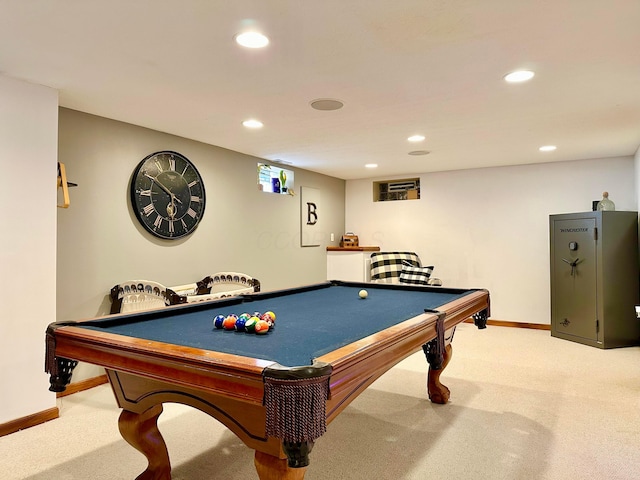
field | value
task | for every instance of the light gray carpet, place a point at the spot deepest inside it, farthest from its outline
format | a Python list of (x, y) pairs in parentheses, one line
[(524, 405)]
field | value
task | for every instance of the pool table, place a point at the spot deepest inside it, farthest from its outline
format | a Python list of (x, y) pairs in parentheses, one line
[(277, 391)]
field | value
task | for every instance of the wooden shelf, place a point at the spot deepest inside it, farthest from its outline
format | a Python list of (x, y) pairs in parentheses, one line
[(353, 249)]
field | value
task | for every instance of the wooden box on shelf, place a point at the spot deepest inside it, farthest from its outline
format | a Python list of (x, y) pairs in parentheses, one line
[(349, 240)]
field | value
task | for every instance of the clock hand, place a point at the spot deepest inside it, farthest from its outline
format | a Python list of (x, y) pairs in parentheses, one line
[(155, 179)]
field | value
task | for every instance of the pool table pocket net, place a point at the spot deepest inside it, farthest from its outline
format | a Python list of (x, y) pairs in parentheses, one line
[(295, 401), (289, 401)]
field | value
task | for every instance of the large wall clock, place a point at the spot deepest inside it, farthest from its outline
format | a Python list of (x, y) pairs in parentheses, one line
[(167, 195)]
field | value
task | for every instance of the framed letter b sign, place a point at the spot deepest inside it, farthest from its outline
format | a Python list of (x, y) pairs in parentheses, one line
[(310, 215)]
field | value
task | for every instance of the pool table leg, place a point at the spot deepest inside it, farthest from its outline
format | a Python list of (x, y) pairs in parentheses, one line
[(439, 393), (274, 468), (140, 430)]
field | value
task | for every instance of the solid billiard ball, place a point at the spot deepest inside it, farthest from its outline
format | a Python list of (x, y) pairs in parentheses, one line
[(250, 325), (262, 327), (218, 320), (363, 293), (240, 323), (230, 322)]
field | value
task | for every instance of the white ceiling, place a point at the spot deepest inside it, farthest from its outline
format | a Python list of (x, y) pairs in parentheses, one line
[(401, 67)]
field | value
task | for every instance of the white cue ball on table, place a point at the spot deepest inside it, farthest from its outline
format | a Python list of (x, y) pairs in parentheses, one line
[(363, 294)]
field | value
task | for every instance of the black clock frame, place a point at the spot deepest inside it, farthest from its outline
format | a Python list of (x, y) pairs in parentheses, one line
[(167, 195)]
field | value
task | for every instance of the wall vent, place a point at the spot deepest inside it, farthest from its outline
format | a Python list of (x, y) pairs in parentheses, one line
[(388, 190)]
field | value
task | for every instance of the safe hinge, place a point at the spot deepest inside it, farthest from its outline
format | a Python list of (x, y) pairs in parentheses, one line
[(595, 234), (597, 326)]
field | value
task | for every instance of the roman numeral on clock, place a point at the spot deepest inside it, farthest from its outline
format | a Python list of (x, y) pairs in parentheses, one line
[(148, 209)]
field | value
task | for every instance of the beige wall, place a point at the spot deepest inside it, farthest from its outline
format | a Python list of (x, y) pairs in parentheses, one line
[(28, 155), (636, 163), (100, 242), (489, 228)]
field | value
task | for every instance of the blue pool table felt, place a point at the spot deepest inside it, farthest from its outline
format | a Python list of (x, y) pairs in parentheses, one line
[(308, 324)]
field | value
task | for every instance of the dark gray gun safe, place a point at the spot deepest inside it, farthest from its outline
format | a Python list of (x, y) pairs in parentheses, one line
[(594, 278)]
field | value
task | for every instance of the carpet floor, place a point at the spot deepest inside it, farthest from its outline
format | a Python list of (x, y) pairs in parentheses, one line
[(524, 405)]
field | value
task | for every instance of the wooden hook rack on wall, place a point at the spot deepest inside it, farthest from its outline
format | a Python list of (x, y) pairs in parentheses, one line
[(64, 184)]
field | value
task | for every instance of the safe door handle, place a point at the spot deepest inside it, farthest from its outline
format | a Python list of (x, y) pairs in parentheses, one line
[(572, 264)]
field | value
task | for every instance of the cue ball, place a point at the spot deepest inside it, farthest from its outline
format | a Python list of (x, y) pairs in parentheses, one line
[(363, 293)]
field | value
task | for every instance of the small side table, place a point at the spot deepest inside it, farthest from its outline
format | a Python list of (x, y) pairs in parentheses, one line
[(352, 264)]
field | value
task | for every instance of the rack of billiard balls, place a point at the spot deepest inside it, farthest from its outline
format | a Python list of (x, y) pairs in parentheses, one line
[(257, 322)]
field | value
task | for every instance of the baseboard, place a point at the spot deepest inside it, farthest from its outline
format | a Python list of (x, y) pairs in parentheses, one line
[(28, 421), (83, 385), (502, 323), (52, 413)]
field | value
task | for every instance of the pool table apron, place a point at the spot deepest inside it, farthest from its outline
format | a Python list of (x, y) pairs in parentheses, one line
[(242, 416), (245, 417)]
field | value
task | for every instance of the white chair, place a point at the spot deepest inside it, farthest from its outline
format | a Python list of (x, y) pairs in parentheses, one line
[(219, 285), (139, 295), (401, 267)]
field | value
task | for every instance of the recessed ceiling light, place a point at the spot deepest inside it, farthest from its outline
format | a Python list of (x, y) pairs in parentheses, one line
[(326, 104), (252, 40), (419, 152), (547, 148), (416, 138), (519, 76), (252, 123), (371, 165)]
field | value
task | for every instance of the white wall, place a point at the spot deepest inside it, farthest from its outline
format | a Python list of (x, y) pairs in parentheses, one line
[(489, 228), (28, 161)]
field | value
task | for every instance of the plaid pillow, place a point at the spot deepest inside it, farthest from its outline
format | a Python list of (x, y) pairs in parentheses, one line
[(416, 275), (387, 266)]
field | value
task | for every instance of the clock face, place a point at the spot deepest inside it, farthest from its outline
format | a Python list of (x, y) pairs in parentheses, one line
[(167, 195)]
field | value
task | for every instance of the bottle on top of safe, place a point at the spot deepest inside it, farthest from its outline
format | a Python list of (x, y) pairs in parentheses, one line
[(605, 203)]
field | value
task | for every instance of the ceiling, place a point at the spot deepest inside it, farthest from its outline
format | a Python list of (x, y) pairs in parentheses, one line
[(403, 67)]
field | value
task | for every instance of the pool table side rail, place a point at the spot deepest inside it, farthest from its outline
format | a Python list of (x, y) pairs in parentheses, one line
[(217, 372), (357, 365)]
